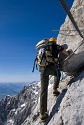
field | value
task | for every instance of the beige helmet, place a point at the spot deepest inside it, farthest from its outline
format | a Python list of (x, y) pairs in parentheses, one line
[(52, 39)]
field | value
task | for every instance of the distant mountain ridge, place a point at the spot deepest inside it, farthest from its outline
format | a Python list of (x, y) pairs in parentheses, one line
[(15, 109), (10, 88)]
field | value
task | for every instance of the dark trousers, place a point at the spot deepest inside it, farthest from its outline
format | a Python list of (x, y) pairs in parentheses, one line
[(45, 72)]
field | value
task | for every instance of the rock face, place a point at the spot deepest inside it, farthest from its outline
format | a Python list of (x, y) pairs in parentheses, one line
[(71, 110), (68, 35)]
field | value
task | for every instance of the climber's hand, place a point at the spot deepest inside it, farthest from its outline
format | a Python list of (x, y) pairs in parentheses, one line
[(70, 51)]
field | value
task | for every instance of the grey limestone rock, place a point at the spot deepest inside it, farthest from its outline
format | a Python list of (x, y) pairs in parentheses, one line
[(68, 35)]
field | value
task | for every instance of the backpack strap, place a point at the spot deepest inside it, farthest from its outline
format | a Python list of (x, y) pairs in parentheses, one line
[(42, 57), (35, 64)]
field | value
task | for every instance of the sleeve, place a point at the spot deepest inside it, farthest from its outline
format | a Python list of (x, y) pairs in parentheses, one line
[(60, 48)]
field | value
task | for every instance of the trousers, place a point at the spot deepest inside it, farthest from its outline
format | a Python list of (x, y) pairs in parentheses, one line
[(44, 76)]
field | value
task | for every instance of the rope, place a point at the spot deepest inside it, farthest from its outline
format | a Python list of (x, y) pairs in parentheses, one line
[(68, 35), (65, 30), (60, 32)]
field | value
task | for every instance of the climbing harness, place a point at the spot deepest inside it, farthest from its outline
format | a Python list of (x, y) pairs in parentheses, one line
[(70, 16)]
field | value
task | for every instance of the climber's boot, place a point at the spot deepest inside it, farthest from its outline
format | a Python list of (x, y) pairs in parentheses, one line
[(56, 93), (44, 117)]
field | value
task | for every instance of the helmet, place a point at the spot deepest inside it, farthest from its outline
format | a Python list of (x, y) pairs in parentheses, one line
[(52, 39)]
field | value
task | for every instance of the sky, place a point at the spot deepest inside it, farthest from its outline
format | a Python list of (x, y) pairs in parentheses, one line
[(23, 23)]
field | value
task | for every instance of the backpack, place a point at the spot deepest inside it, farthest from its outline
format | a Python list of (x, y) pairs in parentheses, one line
[(45, 55)]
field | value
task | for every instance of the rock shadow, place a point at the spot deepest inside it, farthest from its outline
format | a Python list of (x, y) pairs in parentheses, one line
[(56, 106)]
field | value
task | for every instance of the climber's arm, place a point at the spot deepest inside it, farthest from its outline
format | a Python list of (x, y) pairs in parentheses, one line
[(67, 52)]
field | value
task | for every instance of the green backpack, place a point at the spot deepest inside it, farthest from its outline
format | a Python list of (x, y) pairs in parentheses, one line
[(44, 56)]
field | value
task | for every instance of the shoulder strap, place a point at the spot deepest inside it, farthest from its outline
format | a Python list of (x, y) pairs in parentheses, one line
[(34, 65), (42, 57)]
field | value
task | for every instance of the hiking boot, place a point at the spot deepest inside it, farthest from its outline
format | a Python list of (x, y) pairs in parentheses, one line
[(35, 116), (44, 117), (56, 93)]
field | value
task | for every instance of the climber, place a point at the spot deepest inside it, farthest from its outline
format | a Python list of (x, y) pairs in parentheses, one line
[(51, 67)]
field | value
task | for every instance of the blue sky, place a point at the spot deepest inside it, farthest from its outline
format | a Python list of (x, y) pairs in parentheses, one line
[(22, 24)]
